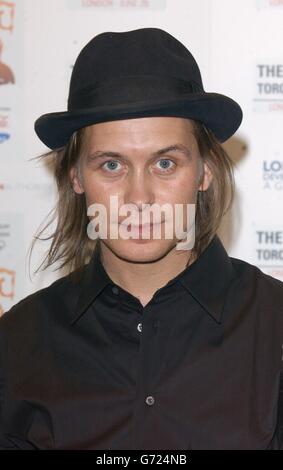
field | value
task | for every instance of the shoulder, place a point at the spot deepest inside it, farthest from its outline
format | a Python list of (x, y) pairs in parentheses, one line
[(252, 277), (39, 307), (260, 295)]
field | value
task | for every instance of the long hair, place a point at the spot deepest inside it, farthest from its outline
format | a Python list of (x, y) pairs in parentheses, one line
[(213, 203), (70, 243)]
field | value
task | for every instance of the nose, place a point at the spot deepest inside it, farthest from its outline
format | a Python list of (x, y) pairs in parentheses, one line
[(139, 190)]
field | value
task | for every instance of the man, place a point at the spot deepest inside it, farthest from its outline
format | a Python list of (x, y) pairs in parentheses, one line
[(155, 342)]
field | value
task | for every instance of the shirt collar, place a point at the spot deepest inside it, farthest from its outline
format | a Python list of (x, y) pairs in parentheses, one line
[(206, 279), (94, 279)]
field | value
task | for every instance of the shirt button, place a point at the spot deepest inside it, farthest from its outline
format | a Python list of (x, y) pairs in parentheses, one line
[(115, 290), (150, 400), (139, 327)]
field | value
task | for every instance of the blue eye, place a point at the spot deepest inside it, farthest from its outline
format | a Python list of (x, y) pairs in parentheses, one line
[(111, 164), (165, 167)]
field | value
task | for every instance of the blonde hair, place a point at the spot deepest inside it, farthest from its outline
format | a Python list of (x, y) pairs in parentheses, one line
[(70, 242)]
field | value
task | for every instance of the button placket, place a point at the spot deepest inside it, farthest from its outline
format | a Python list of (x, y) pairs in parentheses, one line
[(155, 325)]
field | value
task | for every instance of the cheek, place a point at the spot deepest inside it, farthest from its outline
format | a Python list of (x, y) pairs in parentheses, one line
[(96, 190), (181, 190)]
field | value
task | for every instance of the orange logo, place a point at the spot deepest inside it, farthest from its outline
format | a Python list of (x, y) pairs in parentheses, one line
[(6, 74), (7, 285), (7, 12)]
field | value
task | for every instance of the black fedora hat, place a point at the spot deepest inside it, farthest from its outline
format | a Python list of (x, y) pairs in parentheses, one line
[(140, 73)]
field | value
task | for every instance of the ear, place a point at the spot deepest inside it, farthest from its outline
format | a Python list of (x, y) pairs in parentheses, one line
[(75, 179), (206, 178)]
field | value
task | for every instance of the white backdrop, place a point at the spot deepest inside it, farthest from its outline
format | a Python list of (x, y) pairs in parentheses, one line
[(239, 48)]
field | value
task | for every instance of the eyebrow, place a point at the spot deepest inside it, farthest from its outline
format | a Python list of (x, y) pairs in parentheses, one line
[(108, 153)]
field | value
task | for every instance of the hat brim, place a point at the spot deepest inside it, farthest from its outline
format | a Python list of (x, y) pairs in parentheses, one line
[(221, 114)]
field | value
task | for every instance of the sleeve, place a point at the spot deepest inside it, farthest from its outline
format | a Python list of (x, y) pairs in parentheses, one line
[(280, 414), (5, 444)]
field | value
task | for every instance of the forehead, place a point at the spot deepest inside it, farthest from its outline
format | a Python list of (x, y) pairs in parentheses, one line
[(142, 138), (139, 130)]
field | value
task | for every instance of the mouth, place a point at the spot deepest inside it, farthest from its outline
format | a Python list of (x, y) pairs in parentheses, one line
[(140, 229), (141, 226)]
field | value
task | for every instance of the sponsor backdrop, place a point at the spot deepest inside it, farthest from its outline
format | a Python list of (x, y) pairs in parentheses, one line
[(238, 46)]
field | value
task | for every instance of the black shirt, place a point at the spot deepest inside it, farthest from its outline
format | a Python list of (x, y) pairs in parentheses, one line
[(85, 366)]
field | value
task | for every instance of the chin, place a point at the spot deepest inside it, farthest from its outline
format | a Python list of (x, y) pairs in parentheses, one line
[(140, 251)]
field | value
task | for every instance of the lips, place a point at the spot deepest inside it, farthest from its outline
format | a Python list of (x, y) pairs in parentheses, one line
[(141, 226)]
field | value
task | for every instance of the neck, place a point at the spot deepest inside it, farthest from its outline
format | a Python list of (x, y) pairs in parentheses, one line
[(143, 279)]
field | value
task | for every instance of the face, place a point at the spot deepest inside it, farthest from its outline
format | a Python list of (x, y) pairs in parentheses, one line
[(153, 160)]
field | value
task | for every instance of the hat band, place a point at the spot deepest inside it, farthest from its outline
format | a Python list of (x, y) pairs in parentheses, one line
[(130, 89)]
